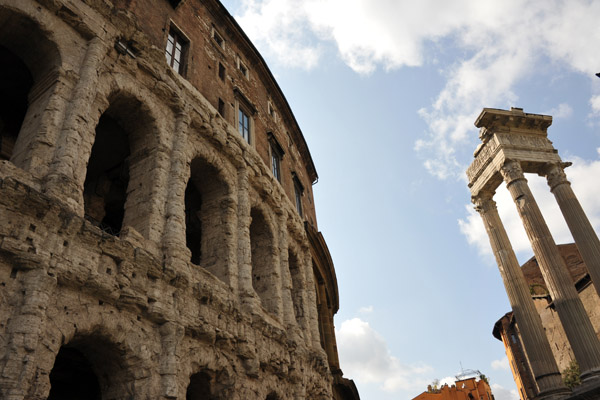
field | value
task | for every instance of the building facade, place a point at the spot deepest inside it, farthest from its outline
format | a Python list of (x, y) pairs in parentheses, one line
[(158, 235), (463, 389), (506, 328)]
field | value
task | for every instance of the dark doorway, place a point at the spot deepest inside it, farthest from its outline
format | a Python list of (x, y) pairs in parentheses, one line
[(199, 387), (72, 377), (15, 84)]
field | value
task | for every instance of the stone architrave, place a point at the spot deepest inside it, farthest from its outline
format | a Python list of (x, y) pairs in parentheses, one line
[(543, 365), (583, 233)]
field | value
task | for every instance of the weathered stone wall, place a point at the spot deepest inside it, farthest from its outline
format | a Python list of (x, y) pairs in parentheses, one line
[(156, 309)]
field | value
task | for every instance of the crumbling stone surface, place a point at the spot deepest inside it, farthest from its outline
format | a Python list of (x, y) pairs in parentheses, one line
[(146, 247)]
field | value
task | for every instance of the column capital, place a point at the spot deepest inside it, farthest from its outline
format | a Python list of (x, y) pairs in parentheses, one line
[(512, 171), (484, 202), (555, 174)]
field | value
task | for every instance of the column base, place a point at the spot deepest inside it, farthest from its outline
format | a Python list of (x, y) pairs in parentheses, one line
[(588, 390), (555, 394)]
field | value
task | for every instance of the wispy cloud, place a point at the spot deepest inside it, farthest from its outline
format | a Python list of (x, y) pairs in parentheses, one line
[(366, 357), (497, 45), (366, 310), (501, 364), (501, 393)]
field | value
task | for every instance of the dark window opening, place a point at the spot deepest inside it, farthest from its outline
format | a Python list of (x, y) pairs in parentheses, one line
[(105, 187), (218, 38), (276, 156), (221, 108), (298, 192), (175, 51), (199, 387), (15, 84), (174, 3), (193, 222), (221, 72), (72, 377)]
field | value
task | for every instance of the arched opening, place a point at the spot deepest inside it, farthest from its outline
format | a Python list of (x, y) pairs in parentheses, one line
[(262, 252), (117, 180), (89, 367), (15, 83), (272, 396), (296, 275), (205, 217), (72, 377), (199, 387), (105, 187), (27, 58)]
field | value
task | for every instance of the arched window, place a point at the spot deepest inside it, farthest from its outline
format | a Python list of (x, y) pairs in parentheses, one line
[(15, 84), (205, 214), (72, 377), (117, 184), (199, 387), (264, 278)]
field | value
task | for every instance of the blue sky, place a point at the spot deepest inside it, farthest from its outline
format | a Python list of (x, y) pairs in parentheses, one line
[(386, 93)]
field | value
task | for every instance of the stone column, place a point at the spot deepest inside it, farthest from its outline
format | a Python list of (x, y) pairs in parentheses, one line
[(543, 364), (61, 176), (579, 225), (573, 317)]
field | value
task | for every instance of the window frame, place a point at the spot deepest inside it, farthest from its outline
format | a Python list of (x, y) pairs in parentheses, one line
[(277, 154), (244, 129), (245, 107), (218, 38), (243, 68), (178, 38)]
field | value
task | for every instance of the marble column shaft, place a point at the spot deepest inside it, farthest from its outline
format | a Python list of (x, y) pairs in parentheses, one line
[(569, 307), (536, 344), (579, 225)]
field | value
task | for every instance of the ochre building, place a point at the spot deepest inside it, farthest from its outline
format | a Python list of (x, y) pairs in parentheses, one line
[(507, 328), (465, 389), (158, 236)]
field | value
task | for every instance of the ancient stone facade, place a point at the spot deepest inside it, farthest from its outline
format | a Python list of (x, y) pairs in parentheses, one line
[(507, 328), (515, 143), (158, 237)]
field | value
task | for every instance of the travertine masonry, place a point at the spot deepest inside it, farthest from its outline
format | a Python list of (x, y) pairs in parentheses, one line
[(147, 250)]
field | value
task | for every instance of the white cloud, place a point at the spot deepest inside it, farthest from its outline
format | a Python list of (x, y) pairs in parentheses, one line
[(367, 359), (583, 177), (501, 364), (501, 393), (498, 44), (366, 310), (595, 104), (562, 111)]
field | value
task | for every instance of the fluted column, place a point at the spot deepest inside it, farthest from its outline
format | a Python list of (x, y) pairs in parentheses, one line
[(543, 364), (573, 317), (579, 225)]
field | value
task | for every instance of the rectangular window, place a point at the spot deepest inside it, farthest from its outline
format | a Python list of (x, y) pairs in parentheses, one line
[(244, 124), (218, 38), (221, 72), (175, 51), (243, 69), (298, 191), (276, 156), (221, 108)]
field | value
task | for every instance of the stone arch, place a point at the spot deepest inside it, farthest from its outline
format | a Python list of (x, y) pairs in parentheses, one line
[(92, 367), (119, 176), (206, 202), (265, 276), (200, 387), (29, 64), (273, 396)]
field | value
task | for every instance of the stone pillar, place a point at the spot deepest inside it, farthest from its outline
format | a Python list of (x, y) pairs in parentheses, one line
[(61, 176), (579, 225), (571, 312), (543, 365)]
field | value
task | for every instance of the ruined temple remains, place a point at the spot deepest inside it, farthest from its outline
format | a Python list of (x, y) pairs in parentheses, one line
[(158, 235), (515, 143)]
